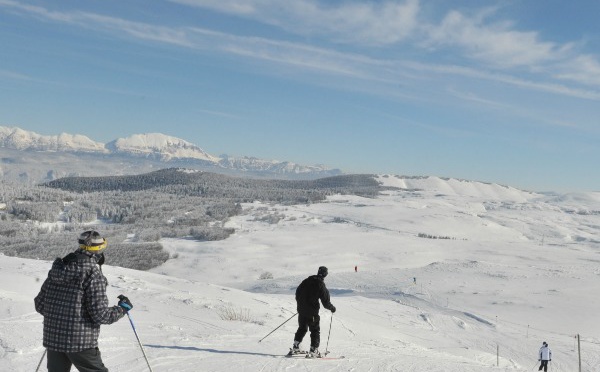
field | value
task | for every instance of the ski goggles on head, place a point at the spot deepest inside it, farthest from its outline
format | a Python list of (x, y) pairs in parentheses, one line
[(94, 247)]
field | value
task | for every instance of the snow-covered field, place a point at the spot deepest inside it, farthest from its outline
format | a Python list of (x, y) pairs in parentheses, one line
[(508, 270)]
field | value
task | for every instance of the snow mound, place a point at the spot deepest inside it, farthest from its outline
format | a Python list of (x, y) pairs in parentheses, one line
[(456, 187)]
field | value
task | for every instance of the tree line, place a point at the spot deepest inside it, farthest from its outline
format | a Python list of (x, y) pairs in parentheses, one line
[(135, 212)]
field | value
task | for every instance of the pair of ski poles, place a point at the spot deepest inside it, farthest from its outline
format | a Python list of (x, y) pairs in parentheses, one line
[(290, 318), (136, 336)]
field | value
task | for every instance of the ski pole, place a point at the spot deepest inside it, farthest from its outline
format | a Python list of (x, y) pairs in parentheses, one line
[(327, 346), (41, 360), (138, 338), (278, 327)]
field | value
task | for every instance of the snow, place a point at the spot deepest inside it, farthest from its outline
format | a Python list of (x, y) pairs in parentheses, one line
[(519, 268), (149, 146), (157, 143), (22, 140)]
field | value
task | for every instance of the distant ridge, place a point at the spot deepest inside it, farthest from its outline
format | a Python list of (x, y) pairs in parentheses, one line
[(122, 156), (19, 139), (208, 184)]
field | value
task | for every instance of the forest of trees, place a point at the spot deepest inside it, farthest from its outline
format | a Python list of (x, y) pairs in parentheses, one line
[(135, 212)]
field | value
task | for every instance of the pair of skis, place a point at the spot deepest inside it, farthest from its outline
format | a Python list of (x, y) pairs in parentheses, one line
[(307, 355)]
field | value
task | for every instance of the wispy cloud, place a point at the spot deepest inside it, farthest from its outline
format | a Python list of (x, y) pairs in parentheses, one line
[(494, 45), (583, 69), (4, 74), (104, 23), (498, 44), (218, 113), (473, 73), (368, 23)]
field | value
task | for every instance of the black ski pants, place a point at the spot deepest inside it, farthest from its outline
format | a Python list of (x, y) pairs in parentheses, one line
[(85, 361), (544, 365), (311, 323)]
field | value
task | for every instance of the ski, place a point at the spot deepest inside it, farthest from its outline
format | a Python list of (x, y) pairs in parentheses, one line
[(324, 356), (306, 355), (293, 353)]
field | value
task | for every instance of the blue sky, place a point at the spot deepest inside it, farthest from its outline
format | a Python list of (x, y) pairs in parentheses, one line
[(495, 91)]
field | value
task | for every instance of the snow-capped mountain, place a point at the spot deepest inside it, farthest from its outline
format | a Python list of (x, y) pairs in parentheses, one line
[(19, 139), (31, 157), (274, 166), (159, 145)]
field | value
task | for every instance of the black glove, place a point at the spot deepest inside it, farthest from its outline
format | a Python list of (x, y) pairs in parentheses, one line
[(125, 303), (101, 259), (332, 308)]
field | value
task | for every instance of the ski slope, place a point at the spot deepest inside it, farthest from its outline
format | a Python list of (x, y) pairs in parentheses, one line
[(518, 268)]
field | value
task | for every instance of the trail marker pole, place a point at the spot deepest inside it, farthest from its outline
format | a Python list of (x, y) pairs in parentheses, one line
[(497, 355), (579, 350)]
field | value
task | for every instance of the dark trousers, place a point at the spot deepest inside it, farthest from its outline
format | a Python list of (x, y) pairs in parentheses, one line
[(544, 365), (311, 323), (85, 361)]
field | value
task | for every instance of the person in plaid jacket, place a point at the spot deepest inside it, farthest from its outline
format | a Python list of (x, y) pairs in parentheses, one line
[(74, 304)]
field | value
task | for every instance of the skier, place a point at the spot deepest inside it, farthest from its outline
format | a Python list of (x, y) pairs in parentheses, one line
[(308, 294), (545, 356), (74, 304)]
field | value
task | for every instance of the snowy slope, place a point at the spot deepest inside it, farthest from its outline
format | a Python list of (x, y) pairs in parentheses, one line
[(519, 269)]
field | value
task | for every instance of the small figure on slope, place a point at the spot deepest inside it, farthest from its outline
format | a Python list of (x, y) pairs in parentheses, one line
[(545, 356)]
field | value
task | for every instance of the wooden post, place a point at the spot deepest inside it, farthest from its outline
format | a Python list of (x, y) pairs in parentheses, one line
[(579, 351), (497, 355)]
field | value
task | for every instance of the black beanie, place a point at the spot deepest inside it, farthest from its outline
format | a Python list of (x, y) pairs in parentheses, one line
[(322, 271)]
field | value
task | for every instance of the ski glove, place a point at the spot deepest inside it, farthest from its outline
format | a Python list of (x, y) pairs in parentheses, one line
[(332, 309), (125, 303)]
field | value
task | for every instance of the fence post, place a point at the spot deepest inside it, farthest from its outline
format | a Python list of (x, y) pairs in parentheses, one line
[(497, 355), (579, 350)]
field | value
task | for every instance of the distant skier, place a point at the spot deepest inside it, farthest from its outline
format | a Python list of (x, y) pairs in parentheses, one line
[(308, 294), (545, 356), (355, 269), (74, 304)]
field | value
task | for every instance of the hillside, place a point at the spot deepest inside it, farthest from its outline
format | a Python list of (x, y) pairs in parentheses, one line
[(193, 182), (444, 281)]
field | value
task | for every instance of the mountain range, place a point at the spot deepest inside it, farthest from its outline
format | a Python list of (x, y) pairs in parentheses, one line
[(30, 157)]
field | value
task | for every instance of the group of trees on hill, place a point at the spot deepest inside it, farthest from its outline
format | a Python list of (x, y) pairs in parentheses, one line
[(135, 212)]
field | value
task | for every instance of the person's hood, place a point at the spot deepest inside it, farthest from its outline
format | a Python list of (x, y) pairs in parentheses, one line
[(318, 277), (70, 268)]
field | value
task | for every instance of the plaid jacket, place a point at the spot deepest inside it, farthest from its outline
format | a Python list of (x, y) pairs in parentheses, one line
[(73, 302)]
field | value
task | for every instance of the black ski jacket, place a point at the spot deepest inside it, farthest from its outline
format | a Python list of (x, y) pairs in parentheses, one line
[(308, 294)]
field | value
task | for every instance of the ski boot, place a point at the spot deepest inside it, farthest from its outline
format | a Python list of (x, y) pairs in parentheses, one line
[(313, 353)]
